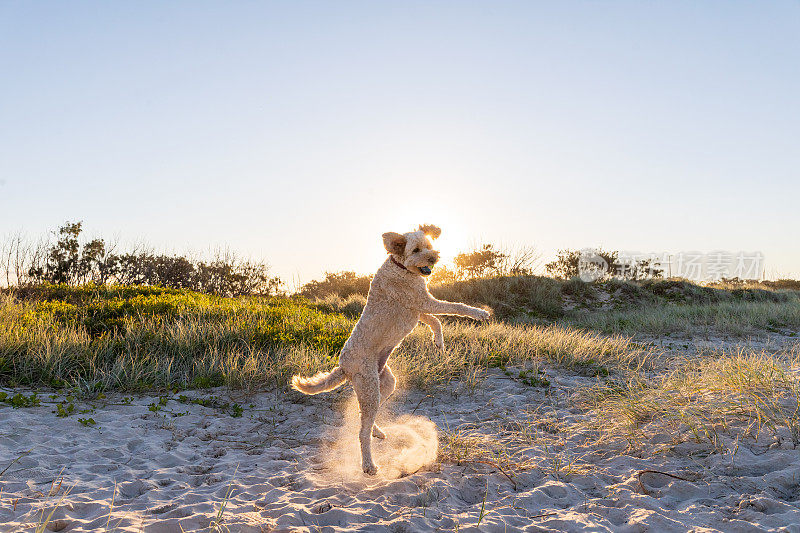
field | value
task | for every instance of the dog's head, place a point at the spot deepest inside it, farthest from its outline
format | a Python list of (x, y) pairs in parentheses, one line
[(414, 250)]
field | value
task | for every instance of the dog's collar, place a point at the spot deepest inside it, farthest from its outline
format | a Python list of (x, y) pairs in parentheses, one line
[(398, 263)]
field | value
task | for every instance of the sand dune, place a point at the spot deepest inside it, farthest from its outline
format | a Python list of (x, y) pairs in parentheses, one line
[(290, 463)]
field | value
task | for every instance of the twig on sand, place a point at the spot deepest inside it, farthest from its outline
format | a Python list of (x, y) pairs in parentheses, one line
[(543, 515), (23, 454), (420, 402), (495, 465), (642, 472)]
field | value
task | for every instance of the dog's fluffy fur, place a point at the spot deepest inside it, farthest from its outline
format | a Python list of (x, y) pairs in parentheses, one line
[(398, 299)]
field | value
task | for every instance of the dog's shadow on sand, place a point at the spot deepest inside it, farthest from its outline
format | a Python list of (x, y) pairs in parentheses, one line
[(411, 444)]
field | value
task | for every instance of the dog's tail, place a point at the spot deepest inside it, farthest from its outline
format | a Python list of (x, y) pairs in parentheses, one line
[(322, 382)]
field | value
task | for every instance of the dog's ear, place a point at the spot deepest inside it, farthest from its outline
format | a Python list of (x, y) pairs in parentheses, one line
[(430, 230), (394, 243)]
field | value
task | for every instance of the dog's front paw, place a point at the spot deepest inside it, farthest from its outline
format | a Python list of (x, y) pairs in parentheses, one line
[(439, 342), (370, 469), (378, 432)]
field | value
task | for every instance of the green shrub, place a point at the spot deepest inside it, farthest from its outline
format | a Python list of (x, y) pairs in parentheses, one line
[(341, 284)]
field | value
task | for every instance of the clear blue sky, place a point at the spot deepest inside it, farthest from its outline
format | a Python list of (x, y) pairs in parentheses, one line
[(298, 132)]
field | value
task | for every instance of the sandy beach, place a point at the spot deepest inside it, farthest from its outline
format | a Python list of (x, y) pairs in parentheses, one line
[(183, 462)]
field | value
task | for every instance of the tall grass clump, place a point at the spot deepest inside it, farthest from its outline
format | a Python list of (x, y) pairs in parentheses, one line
[(497, 345), (350, 306), (703, 399)]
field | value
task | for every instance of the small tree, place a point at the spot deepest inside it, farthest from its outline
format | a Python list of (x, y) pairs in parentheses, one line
[(97, 263), (479, 263), (442, 274), (488, 260), (521, 261), (63, 258)]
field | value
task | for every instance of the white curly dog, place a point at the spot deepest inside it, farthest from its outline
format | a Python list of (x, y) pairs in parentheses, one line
[(398, 299)]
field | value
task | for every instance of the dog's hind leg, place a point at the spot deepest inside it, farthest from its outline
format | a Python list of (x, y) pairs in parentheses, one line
[(388, 382), (367, 387)]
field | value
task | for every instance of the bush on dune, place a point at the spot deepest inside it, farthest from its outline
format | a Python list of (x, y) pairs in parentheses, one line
[(72, 261), (341, 284)]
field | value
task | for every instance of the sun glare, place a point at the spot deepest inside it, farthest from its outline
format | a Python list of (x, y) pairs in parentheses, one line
[(454, 238)]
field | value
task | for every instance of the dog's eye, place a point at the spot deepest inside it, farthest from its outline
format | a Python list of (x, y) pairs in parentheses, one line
[(416, 250)]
